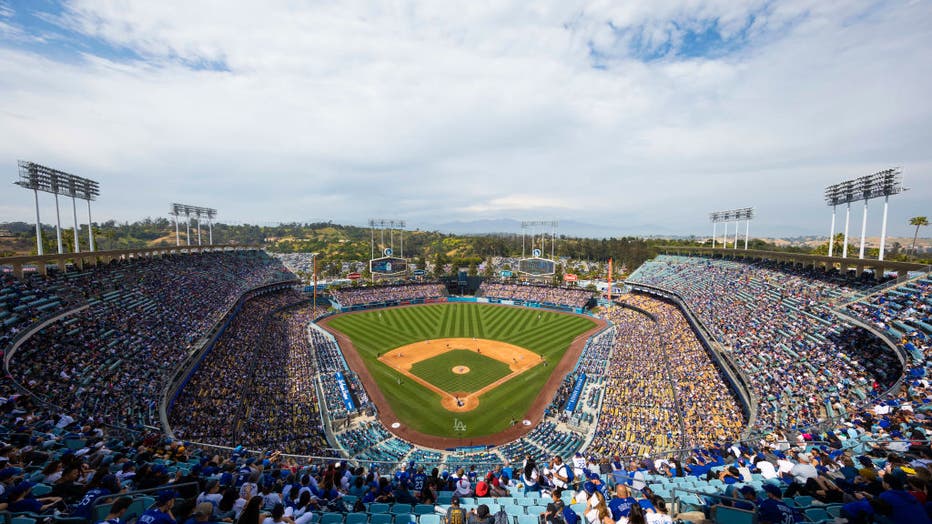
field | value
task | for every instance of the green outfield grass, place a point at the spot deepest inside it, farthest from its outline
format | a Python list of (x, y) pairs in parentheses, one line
[(543, 332), (439, 371)]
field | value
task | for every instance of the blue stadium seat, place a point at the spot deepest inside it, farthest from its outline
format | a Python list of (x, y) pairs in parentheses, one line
[(379, 518), (357, 518), (423, 509), (514, 509), (331, 518), (379, 507), (399, 509), (431, 518), (528, 519), (729, 515), (817, 514)]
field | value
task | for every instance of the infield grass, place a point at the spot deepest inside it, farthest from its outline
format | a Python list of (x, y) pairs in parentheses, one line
[(439, 371), (379, 331)]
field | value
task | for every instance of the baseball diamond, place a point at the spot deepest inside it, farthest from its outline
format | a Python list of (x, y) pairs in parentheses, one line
[(407, 355)]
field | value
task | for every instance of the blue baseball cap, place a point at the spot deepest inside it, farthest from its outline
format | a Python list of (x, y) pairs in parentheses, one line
[(773, 490)]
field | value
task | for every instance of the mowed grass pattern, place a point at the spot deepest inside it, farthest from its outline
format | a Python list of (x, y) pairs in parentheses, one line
[(439, 371), (379, 331)]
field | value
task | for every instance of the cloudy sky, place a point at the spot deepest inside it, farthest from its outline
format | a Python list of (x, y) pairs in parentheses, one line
[(641, 116)]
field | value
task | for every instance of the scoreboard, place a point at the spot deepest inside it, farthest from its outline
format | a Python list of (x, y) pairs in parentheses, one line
[(388, 265), (537, 266)]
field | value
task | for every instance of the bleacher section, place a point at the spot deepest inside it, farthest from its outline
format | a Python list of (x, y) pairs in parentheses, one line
[(805, 364)]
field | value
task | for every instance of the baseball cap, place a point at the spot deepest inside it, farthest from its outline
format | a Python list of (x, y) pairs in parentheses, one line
[(22, 487), (6, 473), (455, 500), (773, 490), (164, 496)]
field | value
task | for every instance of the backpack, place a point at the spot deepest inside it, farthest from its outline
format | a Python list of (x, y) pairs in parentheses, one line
[(570, 476), (457, 516), (500, 518), (570, 516)]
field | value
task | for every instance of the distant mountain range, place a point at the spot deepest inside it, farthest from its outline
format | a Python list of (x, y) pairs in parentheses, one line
[(570, 228)]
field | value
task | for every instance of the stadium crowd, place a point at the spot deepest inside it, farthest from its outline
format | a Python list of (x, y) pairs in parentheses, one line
[(903, 312), (261, 373), (664, 393), (804, 362), (106, 364), (564, 296), (330, 362), (355, 296), (142, 319)]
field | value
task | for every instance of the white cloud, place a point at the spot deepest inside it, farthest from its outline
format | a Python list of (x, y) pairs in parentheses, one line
[(345, 110)]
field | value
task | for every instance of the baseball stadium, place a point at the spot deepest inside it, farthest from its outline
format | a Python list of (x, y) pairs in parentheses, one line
[(677, 386), (562, 316)]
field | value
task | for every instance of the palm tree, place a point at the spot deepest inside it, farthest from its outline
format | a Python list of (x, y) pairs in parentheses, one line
[(918, 222)]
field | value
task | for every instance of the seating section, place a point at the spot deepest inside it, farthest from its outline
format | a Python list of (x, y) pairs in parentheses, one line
[(561, 296), (804, 362), (904, 312), (261, 370), (99, 372), (112, 359), (357, 296)]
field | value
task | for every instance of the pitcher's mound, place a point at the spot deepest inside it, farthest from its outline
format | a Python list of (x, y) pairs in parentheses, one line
[(461, 370)]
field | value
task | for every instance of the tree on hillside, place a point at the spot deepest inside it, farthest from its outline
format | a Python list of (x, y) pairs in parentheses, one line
[(488, 271), (918, 222)]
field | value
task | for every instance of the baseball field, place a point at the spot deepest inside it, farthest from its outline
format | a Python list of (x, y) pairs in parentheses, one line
[(460, 370)]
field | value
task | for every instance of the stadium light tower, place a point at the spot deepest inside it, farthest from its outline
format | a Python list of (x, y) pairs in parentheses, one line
[(40, 178), (714, 218), (198, 212), (736, 216), (834, 195), (886, 183), (850, 191), (864, 188), (31, 178)]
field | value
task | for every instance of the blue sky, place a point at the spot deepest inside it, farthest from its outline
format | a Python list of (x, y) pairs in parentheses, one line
[(640, 116)]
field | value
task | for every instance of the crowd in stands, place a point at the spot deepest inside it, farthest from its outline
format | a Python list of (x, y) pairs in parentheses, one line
[(804, 362), (143, 317), (903, 312), (875, 464), (564, 296), (330, 361), (355, 296), (260, 374), (663, 384), (107, 365)]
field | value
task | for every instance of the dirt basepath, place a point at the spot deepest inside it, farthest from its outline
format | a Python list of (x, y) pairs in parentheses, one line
[(534, 413)]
